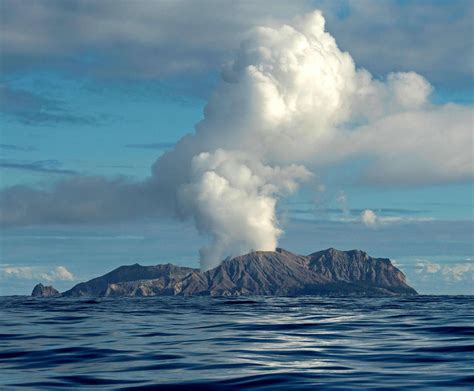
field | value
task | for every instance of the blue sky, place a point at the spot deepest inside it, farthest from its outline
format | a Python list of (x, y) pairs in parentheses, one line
[(81, 99)]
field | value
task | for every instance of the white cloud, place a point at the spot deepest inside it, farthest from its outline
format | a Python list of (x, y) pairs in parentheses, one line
[(409, 89), (459, 271), (414, 147), (59, 273), (369, 218), (427, 267), (449, 272)]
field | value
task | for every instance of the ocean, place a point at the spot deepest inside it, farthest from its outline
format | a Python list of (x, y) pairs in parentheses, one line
[(257, 343)]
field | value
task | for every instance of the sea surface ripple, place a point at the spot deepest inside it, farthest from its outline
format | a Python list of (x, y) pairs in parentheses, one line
[(270, 343)]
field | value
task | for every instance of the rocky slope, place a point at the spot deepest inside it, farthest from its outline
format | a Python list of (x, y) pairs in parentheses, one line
[(258, 273), (121, 281), (44, 291)]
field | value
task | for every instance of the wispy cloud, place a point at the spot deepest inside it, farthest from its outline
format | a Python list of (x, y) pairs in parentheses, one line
[(162, 37), (399, 22), (309, 207), (124, 166), (370, 218), (373, 218), (427, 267), (159, 38), (13, 147), (76, 237), (79, 200), (43, 166), (160, 146), (59, 273), (33, 109)]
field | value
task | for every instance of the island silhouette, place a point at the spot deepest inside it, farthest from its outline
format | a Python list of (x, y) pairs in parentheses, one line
[(261, 273)]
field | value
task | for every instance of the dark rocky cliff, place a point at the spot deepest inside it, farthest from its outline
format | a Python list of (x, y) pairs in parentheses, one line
[(44, 291), (258, 273), (122, 280)]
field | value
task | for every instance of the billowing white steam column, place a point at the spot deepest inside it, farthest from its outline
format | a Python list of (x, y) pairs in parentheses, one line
[(289, 92), (291, 103)]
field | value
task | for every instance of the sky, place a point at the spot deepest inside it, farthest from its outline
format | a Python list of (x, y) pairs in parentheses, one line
[(346, 128)]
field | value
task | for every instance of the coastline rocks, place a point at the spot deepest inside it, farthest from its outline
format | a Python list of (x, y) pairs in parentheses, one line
[(44, 291)]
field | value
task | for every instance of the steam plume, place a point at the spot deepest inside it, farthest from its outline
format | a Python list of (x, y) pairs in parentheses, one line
[(289, 104), (287, 91)]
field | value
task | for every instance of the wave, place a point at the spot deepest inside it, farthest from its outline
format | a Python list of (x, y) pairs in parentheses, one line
[(257, 343)]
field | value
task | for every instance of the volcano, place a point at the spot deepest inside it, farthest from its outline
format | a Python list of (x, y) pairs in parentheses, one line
[(261, 273)]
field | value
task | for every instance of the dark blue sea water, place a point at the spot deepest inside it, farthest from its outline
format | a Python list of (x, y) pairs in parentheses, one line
[(175, 343)]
